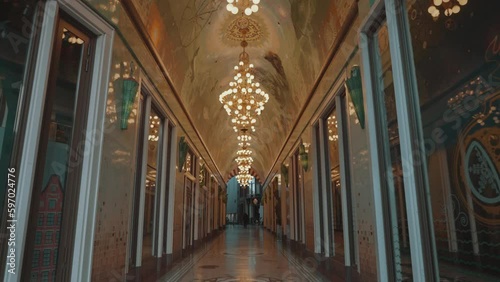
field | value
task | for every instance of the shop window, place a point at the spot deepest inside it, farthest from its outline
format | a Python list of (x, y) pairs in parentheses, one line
[(457, 62)]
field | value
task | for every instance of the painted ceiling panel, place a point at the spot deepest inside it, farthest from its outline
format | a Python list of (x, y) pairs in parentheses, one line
[(199, 43)]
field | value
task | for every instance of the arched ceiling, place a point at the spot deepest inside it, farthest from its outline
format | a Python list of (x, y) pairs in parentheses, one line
[(288, 43)]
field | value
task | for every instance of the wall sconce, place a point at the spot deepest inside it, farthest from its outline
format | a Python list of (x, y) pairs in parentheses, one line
[(183, 149), (303, 156), (356, 91), (284, 173), (130, 86)]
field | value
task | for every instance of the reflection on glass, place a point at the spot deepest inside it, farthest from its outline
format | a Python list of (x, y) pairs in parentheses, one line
[(457, 62), (393, 177), (155, 123), (13, 61), (333, 149), (54, 184)]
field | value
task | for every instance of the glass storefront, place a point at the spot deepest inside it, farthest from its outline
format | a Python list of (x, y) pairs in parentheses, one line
[(16, 33), (456, 49), (332, 143), (393, 176), (152, 183)]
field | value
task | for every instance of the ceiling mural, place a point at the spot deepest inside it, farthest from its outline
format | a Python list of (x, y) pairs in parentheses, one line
[(199, 43)]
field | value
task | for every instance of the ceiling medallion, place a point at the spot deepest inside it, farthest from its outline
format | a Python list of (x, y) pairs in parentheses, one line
[(252, 30)]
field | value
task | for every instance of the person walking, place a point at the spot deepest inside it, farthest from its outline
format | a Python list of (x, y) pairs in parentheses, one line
[(245, 220)]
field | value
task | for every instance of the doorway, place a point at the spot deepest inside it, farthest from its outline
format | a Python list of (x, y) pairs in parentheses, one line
[(56, 186)]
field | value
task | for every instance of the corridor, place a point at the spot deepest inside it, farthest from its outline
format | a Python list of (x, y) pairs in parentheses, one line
[(358, 139), (246, 254)]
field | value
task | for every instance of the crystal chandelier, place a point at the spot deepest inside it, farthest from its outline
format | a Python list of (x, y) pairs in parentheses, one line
[(449, 7), (248, 6), (244, 179), (244, 100), (244, 158), (244, 138), (332, 128), (154, 128)]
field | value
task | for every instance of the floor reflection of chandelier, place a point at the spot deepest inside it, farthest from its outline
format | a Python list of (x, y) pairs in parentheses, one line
[(247, 6)]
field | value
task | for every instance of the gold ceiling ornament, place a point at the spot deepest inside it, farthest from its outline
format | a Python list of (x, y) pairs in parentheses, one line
[(251, 27), (449, 7), (244, 100), (245, 6)]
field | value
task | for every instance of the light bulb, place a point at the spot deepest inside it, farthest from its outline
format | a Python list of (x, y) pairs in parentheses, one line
[(248, 11), (255, 8)]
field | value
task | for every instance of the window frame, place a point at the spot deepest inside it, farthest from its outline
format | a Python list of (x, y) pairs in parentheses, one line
[(422, 244)]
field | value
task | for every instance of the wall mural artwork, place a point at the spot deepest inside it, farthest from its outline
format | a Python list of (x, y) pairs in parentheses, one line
[(195, 17), (479, 162), (476, 196), (231, 36), (481, 173)]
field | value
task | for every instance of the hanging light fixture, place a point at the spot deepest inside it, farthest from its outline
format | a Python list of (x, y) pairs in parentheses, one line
[(332, 128), (244, 100), (449, 7), (244, 158), (154, 128), (247, 6), (244, 179)]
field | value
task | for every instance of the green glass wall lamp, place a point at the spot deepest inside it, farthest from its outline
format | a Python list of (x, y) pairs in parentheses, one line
[(130, 86), (183, 150), (304, 156), (355, 88)]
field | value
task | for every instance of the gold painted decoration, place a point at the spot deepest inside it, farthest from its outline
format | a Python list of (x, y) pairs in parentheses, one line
[(239, 29), (477, 163)]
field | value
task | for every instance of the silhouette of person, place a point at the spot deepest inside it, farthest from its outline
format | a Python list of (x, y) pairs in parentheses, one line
[(245, 220)]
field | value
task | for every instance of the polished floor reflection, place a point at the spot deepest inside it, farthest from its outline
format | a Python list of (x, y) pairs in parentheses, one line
[(239, 254)]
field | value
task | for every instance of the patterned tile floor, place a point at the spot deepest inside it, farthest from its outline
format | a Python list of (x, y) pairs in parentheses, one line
[(240, 254)]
